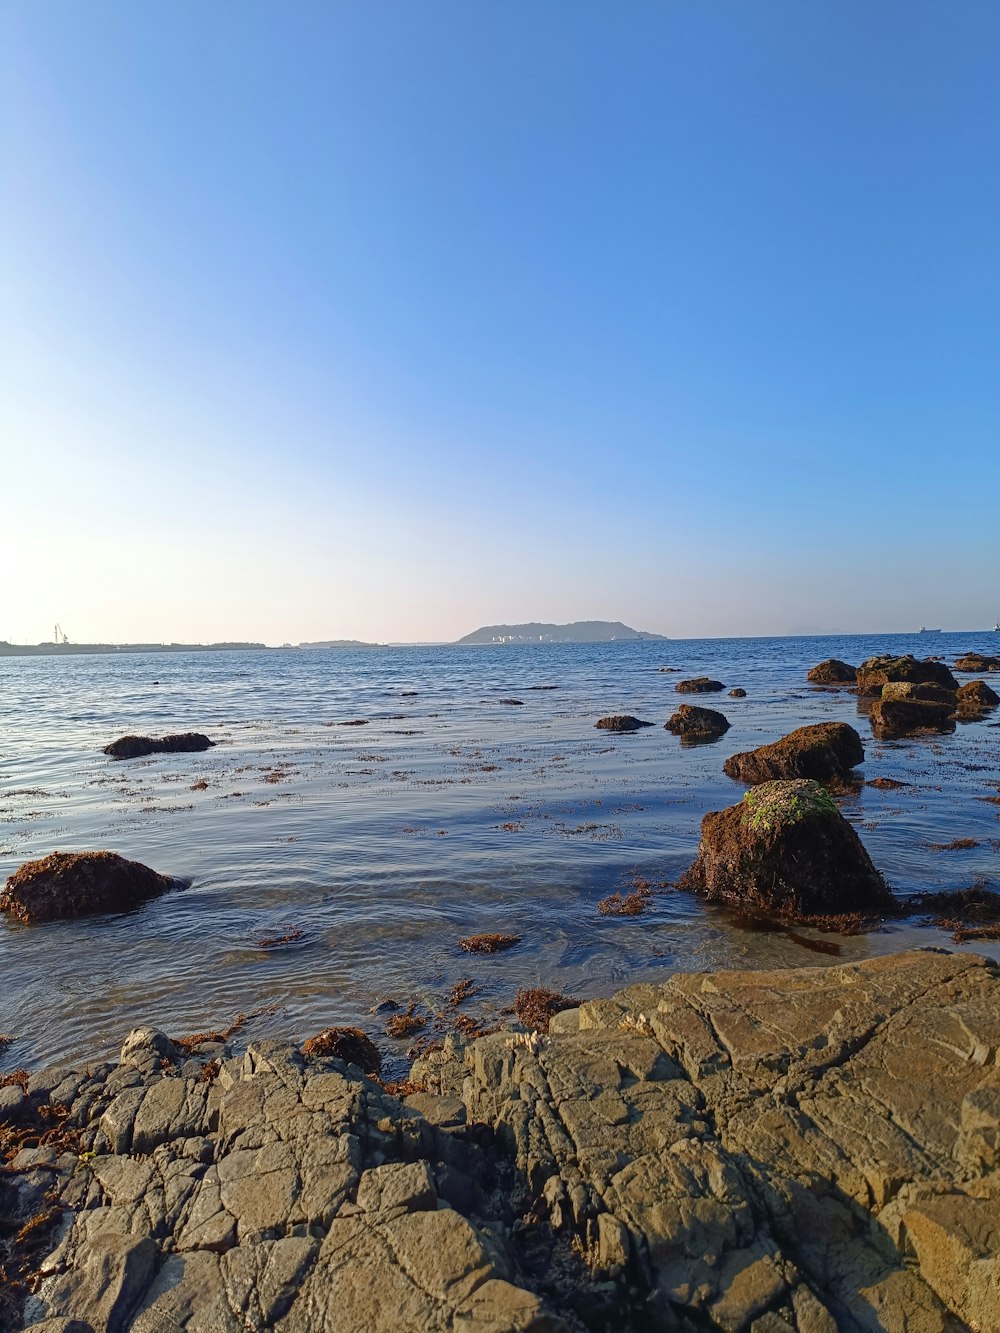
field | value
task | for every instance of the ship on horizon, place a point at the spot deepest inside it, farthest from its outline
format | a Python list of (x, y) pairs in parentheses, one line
[(924, 630)]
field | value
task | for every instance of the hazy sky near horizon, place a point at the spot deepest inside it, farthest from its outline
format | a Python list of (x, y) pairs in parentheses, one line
[(384, 321)]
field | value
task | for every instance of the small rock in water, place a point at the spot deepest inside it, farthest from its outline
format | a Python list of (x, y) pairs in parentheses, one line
[(134, 747), (832, 672), (977, 662), (976, 696), (738, 693), (621, 722), (692, 723), (892, 718), (875, 672), (71, 884), (699, 685)]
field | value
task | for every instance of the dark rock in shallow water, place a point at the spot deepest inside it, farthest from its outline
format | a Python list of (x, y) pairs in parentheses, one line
[(875, 672), (71, 884), (786, 850), (976, 697), (909, 717), (621, 722), (833, 672), (926, 692), (738, 693), (977, 662), (134, 747), (826, 752), (351, 1045), (699, 685), (692, 723)]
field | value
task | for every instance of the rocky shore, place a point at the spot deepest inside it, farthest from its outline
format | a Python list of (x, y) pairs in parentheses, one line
[(812, 1149)]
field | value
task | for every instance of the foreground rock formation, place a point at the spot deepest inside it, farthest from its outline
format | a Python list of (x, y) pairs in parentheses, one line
[(826, 752), (813, 1149), (71, 884), (134, 747), (878, 671), (786, 850)]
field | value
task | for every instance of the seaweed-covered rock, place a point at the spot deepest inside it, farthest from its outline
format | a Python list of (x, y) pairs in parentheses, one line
[(976, 696), (876, 671), (786, 850), (71, 884), (826, 752), (833, 671), (621, 722), (134, 747), (909, 717), (926, 691), (692, 723), (977, 662), (351, 1045), (699, 685)]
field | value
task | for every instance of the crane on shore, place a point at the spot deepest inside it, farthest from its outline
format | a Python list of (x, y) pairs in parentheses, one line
[(60, 635)]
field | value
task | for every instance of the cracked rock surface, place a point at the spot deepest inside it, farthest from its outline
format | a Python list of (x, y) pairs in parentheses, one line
[(812, 1149)]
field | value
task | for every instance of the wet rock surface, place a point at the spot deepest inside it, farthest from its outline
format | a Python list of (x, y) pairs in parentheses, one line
[(786, 850), (832, 671), (976, 661), (976, 696), (72, 884), (621, 722), (694, 724), (812, 1149), (134, 747), (826, 752), (910, 717), (878, 671), (699, 685)]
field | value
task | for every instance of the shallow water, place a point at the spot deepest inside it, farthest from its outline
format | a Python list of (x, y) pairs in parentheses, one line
[(448, 813)]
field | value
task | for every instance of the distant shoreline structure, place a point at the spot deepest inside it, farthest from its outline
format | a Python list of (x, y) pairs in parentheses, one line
[(110, 649)]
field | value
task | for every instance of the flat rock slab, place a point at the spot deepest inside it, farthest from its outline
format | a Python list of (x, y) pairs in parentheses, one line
[(814, 1149)]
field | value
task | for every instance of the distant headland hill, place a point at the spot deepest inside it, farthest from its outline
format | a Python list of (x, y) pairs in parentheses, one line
[(341, 643), (580, 631), (69, 649)]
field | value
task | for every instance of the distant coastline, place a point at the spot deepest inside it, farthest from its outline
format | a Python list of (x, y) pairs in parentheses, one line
[(89, 649), (579, 631)]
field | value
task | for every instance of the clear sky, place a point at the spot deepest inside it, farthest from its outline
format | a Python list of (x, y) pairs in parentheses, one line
[(342, 318)]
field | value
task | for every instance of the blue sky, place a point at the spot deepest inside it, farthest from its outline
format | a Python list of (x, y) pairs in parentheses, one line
[(387, 320)]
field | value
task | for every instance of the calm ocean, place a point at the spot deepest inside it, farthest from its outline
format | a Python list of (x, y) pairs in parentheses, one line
[(447, 813)]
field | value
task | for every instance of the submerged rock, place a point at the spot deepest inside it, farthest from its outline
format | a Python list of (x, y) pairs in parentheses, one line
[(976, 697), (692, 723), (892, 718), (827, 752), (699, 685), (877, 671), (977, 662), (134, 747), (71, 884), (621, 722), (832, 671), (738, 693), (786, 850)]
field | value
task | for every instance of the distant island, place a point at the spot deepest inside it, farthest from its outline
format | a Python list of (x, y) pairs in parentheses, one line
[(580, 631), (341, 643), (64, 649)]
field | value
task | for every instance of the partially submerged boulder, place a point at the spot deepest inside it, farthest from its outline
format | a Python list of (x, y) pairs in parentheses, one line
[(71, 884), (975, 661), (927, 691), (699, 685), (833, 671), (738, 693), (891, 718), (351, 1045), (134, 747), (786, 850), (621, 722), (826, 752), (876, 671), (976, 697), (693, 724)]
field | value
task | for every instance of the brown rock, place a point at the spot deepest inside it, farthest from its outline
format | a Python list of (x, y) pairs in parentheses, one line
[(977, 662), (351, 1045), (827, 752), (909, 717), (70, 884), (621, 722), (133, 747), (977, 696), (833, 672), (926, 692), (738, 693), (699, 685), (694, 724), (877, 671), (786, 849)]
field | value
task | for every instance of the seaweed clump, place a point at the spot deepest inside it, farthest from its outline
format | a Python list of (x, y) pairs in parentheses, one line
[(351, 1045), (493, 942), (970, 914), (72, 884), (535, 1007), (135, 747), (621, 722)]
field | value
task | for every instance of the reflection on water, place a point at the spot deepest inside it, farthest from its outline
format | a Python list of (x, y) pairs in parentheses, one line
[(333, 866)]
